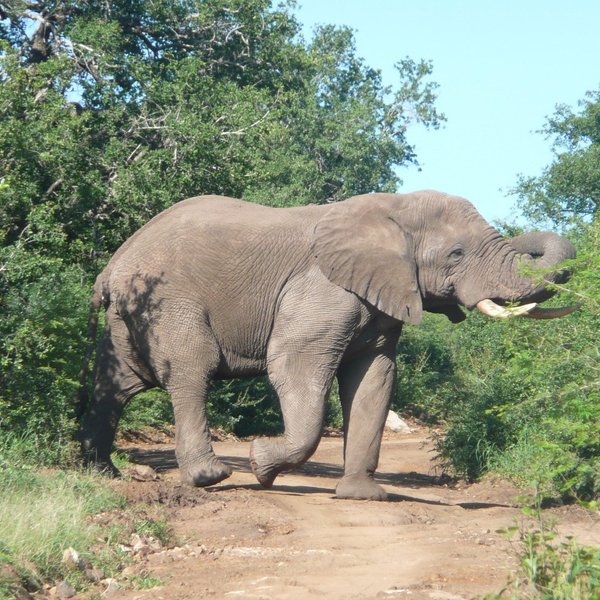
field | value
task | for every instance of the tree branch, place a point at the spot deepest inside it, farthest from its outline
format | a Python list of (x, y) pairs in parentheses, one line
[(243, 130)]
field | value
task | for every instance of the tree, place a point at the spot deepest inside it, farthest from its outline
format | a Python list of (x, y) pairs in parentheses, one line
[(569, 188), (112, 111)]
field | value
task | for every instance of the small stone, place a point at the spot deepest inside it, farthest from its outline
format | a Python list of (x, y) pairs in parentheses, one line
[(71, 559), (155, 544), (396, 424), (64, 590), (178, 553), (142, 473), (112, 587), (140, 545), (94, 574)]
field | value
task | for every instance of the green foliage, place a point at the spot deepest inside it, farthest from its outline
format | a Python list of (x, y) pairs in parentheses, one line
[(111, 112), (36, 448), (44, 306), (550, 569), (426, 369), (144, 582), (149, 409), (245, 407)]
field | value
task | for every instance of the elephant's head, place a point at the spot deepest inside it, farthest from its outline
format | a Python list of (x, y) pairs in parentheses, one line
[(405, 253)]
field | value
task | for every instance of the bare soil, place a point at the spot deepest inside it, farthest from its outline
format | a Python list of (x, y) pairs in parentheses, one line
[(434, 538)]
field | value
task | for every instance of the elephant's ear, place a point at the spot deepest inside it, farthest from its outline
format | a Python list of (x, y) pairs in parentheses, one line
[(360, 248)]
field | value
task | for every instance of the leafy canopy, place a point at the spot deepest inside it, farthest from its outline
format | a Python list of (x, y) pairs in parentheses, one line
[(568, 190)]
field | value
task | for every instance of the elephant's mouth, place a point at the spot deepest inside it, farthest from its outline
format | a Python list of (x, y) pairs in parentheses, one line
[(533, 311)]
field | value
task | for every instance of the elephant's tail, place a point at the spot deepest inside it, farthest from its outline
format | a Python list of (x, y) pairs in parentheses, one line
[(99, 297)]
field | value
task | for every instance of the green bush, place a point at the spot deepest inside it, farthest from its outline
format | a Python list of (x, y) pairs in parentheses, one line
[(426, 369), (245, 407), (148, 409)]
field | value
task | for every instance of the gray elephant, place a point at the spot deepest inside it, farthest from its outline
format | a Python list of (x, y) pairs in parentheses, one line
[(216, 288)]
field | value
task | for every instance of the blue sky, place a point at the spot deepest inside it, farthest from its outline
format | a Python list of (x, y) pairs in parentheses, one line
[(502, 67)]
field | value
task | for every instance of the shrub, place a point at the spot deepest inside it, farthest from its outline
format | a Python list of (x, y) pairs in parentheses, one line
[(44, 307)]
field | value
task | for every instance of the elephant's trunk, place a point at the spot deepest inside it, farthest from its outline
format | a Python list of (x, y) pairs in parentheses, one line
[(544, 249), (540, 251)]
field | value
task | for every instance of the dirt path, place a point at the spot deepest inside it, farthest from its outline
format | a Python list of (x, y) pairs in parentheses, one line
[(431, 540)]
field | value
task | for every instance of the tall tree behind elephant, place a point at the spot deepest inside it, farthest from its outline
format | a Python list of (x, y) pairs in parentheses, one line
[(215, 288), (171, 99)]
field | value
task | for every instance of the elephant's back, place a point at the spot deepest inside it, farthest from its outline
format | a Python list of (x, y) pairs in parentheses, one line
[(228, 258), (215, 219)]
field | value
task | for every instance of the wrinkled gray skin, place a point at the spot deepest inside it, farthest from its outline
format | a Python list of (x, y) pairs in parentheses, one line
[(217, 288)]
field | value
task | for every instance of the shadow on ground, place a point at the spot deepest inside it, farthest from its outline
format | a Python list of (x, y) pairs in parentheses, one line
[(164, 459)]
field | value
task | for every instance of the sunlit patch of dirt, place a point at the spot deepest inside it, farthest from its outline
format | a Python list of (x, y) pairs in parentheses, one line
[(436, 537)]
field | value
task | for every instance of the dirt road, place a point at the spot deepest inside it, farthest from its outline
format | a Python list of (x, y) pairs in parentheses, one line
[(433, 538)]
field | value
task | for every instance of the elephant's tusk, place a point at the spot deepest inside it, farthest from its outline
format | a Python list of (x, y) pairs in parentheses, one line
[(491, 309), (552, 313)]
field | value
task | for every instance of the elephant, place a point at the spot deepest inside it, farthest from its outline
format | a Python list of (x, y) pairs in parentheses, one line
[(216, 288)]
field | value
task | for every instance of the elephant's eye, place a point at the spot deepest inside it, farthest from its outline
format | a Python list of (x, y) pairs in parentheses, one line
[(456, 255)]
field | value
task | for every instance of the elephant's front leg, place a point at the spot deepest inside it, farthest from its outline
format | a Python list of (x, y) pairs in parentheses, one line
[(302, 387), (304, 352), (366, 387)]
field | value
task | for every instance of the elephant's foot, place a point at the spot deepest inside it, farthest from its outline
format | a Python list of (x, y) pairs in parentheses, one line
[(359, 488), (262, 463), (204, 473), (103, 466), (98, 461)]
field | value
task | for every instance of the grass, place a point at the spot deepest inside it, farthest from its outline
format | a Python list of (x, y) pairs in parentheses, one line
[(44, 511), (42, 514)]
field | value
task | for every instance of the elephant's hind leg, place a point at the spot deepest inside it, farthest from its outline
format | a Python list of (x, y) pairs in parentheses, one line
[(187, 367), (116, 381)]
